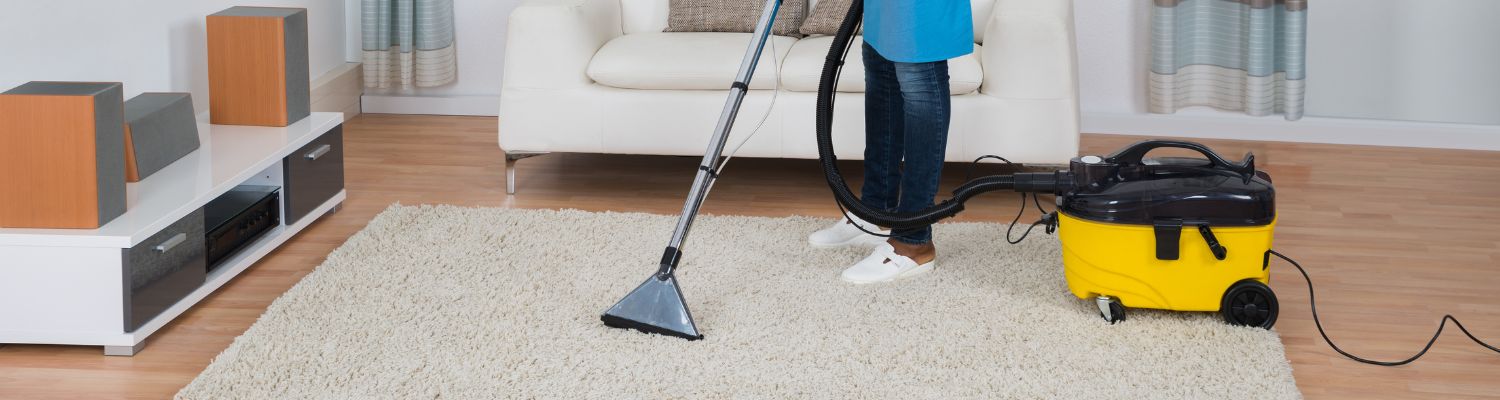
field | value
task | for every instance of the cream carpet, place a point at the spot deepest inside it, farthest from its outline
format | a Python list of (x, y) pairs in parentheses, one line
[(447, 302)]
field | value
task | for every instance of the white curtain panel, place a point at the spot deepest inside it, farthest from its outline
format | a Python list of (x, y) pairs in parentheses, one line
[(1233, 55), (408, 43)]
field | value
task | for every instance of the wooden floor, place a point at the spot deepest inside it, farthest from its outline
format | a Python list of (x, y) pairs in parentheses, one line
[(1393, 237)]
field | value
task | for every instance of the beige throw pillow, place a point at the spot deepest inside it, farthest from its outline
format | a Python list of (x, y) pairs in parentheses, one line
[(826, 17), (732, 16)]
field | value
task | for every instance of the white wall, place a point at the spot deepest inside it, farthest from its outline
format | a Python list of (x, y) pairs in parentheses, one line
[(150, 46), (481, 26), (1437, 61), (1114, 53)]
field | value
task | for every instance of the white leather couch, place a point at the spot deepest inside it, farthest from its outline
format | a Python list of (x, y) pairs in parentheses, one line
[(599, 76)]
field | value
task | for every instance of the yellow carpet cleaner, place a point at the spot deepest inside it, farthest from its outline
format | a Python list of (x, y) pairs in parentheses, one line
[(1169, 233)]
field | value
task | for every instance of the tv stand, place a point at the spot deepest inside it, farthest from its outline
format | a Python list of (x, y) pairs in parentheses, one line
[(117, 285)]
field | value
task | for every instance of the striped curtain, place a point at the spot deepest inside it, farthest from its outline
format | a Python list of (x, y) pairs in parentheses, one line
[(408, 43), (1233, 55)]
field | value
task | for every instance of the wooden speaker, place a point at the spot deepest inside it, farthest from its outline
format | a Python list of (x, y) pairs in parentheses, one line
[(62, 155), (257, 66), (159, 129)]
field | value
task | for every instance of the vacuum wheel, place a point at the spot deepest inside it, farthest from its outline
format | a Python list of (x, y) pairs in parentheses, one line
[(1249, 303), (1111, 309)]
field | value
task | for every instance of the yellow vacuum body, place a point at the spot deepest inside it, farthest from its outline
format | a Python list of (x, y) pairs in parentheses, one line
[(1119, 261), (1178, 233)]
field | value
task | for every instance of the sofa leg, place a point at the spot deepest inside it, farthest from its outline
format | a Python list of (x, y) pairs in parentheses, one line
[(510, 167)]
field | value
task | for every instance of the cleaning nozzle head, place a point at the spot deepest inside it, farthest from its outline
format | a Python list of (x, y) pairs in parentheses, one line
[(656, 306)]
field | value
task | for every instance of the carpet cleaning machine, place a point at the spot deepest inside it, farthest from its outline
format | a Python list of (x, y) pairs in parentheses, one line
[(1173, 233)]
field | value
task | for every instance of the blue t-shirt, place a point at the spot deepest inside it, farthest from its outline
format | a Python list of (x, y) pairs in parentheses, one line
[(919, 30)]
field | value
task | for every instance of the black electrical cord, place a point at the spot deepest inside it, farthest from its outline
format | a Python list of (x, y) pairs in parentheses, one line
[(851, 222), (1047, 219), (969, 172), (1313, 304)]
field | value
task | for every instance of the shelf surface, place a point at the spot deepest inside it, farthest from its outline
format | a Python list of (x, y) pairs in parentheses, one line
[(229, 156)]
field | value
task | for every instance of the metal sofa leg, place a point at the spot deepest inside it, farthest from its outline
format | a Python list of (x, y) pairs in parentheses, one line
[(510, 167)]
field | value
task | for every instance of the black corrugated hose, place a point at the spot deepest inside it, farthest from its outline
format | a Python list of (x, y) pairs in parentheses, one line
[(846, 198)]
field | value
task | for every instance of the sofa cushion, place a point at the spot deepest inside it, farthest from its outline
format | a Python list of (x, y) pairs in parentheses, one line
[(682, 60), (803, 68), (732, 16)]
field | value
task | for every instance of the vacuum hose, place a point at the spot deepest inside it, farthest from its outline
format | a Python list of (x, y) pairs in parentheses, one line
[(1048, 182)]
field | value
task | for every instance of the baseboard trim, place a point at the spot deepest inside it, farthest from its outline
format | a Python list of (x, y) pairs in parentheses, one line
[(336, 91), (339, 90), (1307, 130), (487, 106)]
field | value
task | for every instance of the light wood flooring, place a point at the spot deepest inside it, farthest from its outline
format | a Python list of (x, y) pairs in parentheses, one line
[(1393, 237)]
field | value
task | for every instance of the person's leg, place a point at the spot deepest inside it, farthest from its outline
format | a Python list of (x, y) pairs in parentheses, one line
[(884, 125), (884, 122), (927, 109)]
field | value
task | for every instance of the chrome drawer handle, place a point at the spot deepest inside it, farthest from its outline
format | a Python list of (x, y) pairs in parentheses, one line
[(318, 152), (170, 243)]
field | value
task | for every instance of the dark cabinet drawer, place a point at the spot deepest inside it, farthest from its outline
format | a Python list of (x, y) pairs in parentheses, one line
[(163, 269), (314, 174)]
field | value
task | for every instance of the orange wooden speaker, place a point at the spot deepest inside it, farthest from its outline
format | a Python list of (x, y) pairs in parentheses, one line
[(257, 66), (62, 155)]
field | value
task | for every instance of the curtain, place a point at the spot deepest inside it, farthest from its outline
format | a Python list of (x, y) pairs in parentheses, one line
[(408, 43), (1233, 55)]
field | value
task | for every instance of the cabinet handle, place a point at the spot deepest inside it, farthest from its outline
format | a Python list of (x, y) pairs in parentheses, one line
[(318, 152), (170, 243)]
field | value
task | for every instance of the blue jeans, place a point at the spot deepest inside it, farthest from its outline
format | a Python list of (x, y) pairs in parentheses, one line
[(907, 109)]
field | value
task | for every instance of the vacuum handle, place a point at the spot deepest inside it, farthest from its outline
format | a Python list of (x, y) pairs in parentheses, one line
[(1135, 153)]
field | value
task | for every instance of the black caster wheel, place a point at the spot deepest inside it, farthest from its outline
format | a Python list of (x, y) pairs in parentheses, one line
[(1111, 309), (1249, 303)]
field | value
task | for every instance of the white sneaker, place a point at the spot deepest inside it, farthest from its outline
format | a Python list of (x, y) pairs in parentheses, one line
[(845, 233), (884, 265)]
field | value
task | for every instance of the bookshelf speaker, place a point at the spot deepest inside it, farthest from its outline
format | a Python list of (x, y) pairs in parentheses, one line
[(62, 155), (257, 66)]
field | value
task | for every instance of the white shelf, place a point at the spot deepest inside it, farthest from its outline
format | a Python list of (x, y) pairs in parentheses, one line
[(229, 156)]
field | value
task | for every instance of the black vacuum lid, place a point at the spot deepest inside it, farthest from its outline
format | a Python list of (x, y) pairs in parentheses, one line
[(1127, 189)]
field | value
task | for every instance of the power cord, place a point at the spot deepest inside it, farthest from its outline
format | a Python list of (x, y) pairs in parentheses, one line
[(1313, 304), (1049, 218)]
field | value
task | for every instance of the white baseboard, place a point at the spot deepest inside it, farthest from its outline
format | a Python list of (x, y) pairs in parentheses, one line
[(1214, 125), (336, 91), (339, 90), (488, 106)]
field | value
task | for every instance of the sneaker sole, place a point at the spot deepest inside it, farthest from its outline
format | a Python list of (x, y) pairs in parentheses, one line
[(919, 270)]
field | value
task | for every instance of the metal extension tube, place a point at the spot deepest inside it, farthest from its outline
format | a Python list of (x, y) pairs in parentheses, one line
[(657, 305)]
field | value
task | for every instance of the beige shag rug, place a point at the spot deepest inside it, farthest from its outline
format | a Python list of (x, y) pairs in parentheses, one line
[(447, 302)]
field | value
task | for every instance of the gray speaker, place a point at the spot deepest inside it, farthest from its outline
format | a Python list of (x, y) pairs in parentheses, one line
[(160, 128)]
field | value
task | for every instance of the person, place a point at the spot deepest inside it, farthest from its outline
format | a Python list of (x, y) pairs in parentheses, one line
[(906, 48)]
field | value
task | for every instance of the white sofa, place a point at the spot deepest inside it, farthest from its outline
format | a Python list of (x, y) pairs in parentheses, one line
[(599, 76)]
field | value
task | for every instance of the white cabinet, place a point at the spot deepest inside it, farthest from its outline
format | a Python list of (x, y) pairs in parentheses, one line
[(116, 285)]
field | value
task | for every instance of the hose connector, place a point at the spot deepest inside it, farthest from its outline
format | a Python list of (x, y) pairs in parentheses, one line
[(1058, 182)]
